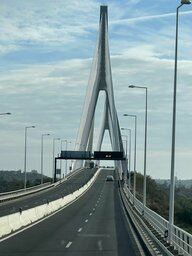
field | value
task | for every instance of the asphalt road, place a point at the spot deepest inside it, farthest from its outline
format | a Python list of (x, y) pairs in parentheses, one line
[(93, 225), (67, 187)]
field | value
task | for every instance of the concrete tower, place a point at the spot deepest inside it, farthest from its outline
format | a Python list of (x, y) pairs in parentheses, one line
[(100, 80)]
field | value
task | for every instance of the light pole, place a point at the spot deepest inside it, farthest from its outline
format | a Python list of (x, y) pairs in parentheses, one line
[(42, 136), (145, 146), (66, 141), (126, 143), (25, 155), (135, 154), (125, 174), (129, 130), (54, 156), (61, 159), (172, 178)]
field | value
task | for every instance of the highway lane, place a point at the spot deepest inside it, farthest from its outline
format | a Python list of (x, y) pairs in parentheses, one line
[(67, 187), (93, 225)]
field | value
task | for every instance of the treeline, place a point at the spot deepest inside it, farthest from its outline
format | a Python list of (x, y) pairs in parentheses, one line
[(14, 180), (158, 200)]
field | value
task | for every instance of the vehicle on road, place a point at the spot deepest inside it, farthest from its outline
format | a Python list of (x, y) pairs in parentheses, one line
[(110, 178)]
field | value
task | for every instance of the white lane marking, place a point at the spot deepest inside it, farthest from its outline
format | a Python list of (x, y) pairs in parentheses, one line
[(86, 220), (90, 213), (95, 235), (93, 209), (79, 230), (99, 243), (68, 245), (95, 205), (52, 214)]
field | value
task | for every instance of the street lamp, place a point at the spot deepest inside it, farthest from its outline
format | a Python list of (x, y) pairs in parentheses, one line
[(66, 141), (54, 139), (172, 178), (129, 130), (125, 142), (135, 154), (42, 136), (145, 147), (61, 159), (25, 155)]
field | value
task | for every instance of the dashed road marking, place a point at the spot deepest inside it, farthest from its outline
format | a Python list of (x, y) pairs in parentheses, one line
[(90, 213), (93, 209), (86, 220), (79, 230), (68, 245)]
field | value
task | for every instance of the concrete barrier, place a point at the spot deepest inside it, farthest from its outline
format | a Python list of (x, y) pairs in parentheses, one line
[(5, 228), (16, 221)]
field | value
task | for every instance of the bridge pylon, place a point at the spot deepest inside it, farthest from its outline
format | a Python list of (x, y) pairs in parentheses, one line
[(100, 80)]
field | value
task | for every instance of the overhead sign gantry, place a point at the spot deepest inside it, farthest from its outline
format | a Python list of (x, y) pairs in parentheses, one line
[(96, 155), (88, 155)]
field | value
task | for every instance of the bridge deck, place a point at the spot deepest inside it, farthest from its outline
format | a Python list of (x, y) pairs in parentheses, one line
[(93, 225)]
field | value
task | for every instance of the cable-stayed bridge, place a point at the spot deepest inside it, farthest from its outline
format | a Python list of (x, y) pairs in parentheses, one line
[(86, 213)]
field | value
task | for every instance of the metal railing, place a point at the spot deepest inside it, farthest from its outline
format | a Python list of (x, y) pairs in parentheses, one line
[(22, 192), (181, 240), (6, 196)]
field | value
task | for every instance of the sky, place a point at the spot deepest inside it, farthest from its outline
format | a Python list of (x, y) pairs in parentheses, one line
[(46, 51)]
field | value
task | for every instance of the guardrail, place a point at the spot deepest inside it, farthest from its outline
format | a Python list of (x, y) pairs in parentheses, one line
[(68, 176), (6, 196), (23, 192), (181, 240), (13, 222)]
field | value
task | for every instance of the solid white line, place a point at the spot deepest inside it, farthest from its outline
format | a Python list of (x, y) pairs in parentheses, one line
[(79, 230), (68, 245)]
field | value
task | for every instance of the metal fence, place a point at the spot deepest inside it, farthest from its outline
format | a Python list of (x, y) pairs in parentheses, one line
[(181, 239)]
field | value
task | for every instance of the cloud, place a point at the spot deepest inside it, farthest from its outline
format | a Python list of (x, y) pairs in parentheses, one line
[(43, 23), (144, 18), (46, 53)]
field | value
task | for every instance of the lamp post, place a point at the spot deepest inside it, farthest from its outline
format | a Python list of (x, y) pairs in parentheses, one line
[(66, 141), (125, 174), (129, 130), (42, 136), (125, 143), (172, 178), (54, 156), (145, 143), (135, 154), (61, 159), (25, 155)]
